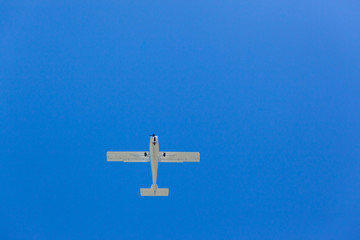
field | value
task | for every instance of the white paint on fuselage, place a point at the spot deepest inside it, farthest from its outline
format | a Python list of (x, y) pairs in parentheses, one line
[(154, 159)]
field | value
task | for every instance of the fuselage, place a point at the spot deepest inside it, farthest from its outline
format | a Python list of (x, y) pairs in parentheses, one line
[(154, 158)]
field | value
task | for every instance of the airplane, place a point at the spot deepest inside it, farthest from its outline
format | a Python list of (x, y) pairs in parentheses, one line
[(154, 157)]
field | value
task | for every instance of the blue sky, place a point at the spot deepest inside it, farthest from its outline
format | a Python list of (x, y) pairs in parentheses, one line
[(267, 92)]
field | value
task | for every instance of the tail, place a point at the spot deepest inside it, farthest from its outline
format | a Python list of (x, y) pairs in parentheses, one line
[(154, 191)]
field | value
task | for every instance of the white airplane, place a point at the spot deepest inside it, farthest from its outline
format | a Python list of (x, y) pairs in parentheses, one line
[(154, 158)]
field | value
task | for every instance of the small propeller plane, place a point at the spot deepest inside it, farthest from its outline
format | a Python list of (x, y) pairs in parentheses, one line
[(154, 157)]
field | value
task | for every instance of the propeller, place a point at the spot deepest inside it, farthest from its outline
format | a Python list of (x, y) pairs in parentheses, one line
[(152, 135)]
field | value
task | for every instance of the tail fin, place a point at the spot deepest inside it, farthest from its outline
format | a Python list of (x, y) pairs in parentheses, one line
[(154, 192)]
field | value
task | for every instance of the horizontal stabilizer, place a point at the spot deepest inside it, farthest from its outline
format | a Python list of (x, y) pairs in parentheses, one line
[(149, 192)]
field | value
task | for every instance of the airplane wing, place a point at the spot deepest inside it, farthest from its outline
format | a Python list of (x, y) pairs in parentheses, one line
[(127, 156), (179, 157)]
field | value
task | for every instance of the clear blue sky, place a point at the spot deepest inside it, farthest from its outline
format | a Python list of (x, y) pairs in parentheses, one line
[(267, 91)]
